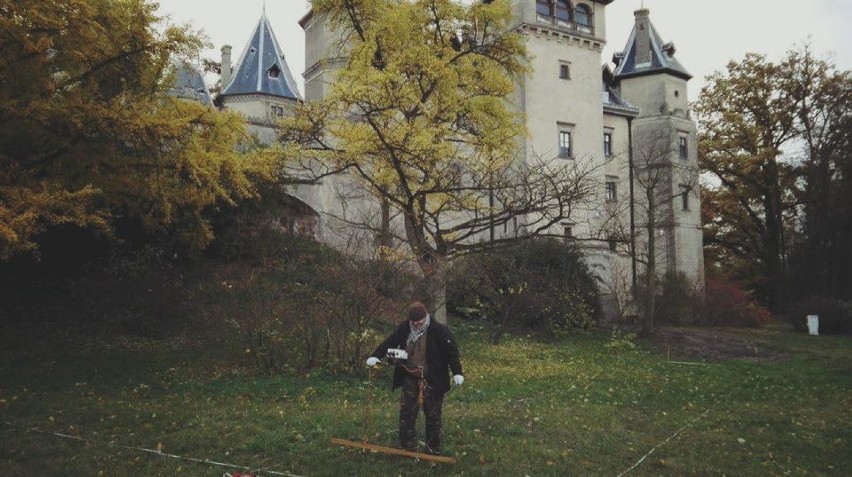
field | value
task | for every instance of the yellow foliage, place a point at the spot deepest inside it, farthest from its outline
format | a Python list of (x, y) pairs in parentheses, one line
[(420, 111), (87, 135)]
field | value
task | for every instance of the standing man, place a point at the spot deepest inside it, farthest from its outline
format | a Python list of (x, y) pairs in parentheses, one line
[(423, 376)]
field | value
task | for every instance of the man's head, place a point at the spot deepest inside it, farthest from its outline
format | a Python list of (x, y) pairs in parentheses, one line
[(417, 314)]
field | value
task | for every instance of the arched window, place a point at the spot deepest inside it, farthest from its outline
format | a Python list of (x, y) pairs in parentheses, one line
[(563, 10), (583, 15), (544, 7)]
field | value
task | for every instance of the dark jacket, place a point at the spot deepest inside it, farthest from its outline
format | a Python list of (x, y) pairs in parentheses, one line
[(441, 354)]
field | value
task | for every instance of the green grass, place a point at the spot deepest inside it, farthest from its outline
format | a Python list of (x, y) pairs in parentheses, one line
[(526, 408)]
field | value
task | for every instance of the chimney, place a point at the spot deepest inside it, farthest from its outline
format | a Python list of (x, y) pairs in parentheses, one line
[(643, 36), (226, 66)]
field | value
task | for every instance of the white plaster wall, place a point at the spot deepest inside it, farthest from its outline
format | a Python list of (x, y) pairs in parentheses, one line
[(551, 103)]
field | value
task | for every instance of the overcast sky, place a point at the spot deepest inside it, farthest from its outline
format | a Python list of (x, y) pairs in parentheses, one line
[(707, 34)]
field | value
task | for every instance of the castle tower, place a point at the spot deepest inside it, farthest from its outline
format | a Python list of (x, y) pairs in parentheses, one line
[(648, 76), (571, 115), (322, 55), (260, 85), (189, 84), (562, 97)]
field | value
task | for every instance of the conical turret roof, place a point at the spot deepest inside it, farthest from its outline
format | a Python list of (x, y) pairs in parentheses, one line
[(189, 84), (646, 53), (262, 68)]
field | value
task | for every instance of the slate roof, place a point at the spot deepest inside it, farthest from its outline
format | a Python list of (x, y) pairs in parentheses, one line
[(612, 101), (262, 68), (662, 57), (189, 84)]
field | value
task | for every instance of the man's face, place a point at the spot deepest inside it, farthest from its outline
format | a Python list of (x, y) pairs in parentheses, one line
[(418, 323)]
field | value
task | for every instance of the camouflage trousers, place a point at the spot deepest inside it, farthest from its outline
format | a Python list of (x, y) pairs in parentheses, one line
[(409, 409)]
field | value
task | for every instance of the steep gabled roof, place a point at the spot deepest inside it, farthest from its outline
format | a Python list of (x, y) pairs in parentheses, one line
[(660, 60), (262, 68)]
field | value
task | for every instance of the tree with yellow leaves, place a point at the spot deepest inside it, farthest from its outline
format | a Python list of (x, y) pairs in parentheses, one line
[(420, 117), (89, 140)]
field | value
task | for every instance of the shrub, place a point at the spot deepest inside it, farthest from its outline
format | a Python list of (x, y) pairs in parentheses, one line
[(835, 316), (313, 308), (134, 293), (676, 299), (726, 303), (538, 285)]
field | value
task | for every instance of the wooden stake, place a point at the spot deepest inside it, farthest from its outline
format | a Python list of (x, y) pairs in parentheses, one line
[(394, 451)]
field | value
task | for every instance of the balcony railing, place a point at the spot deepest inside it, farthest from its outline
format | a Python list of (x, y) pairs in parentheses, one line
[(574, 26)]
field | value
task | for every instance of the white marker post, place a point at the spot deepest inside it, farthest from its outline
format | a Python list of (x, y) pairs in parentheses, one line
[(813, 324)]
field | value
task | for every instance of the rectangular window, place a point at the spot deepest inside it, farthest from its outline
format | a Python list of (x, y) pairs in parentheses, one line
[(564, 71), (683, 148), (684, 197), (611, 191), (564, 144), (613, 244), (568, 231), (607, 144)]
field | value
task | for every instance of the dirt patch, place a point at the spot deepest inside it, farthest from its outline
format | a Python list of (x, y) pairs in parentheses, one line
[(713, 344)]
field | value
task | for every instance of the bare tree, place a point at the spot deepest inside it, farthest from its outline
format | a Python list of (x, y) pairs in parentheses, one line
[(663, 185)]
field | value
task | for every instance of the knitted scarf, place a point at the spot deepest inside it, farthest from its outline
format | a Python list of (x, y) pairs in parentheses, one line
[(417, 333)]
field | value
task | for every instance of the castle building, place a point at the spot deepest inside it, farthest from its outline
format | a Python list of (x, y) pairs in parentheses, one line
[(630, 124), (260, 86)]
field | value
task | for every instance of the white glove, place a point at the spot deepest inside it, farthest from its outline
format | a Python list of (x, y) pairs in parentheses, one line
[(459, 379), (372, 361)]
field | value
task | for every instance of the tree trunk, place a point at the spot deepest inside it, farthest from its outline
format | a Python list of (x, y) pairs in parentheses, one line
[(436, 290), (651, 271), (432, 264), (774, 239), (501, 329)]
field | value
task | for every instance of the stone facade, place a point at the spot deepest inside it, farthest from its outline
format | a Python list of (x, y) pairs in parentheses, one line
[(576, 110)]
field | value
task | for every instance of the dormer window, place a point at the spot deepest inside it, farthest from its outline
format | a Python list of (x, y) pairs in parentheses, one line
[(274, 71)]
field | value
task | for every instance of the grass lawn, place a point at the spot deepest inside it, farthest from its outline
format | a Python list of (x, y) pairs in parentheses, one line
[(576, 407)]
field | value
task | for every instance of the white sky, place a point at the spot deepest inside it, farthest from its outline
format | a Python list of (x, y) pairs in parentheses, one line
[(707, 34)]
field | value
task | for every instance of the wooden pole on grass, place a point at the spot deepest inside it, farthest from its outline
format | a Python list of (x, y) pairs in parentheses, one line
[(394, 451)]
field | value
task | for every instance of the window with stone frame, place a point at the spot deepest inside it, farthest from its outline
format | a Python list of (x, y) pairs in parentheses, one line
[(565, 144), (683, 147), (564, 70), (607, 145), (562, 10), (583, 15), (544, 7), (612, 243), (684, 197), (611, 189)]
